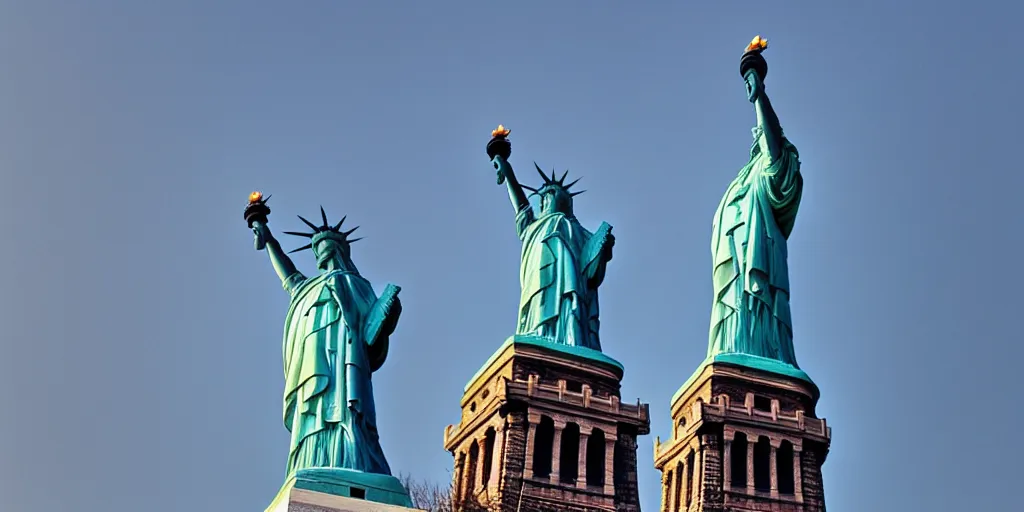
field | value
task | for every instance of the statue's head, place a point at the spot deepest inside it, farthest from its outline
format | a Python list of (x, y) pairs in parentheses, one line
[(555, 196), (329, 243)]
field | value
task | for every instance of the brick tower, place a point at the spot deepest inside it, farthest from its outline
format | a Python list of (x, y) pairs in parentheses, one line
[(745, 437), (543, 430)]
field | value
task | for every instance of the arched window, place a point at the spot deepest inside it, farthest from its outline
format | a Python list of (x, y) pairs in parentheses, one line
[(738, 461), (595, 459), (542, 452), (460, 468), (784, 467), (569, 454), (689, 479), (762, 464), (488, 454), (474, 456)]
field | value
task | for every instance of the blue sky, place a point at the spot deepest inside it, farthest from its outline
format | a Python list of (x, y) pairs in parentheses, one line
[(141, 332)]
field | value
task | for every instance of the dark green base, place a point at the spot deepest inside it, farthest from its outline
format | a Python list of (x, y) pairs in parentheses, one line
[(350, 484)]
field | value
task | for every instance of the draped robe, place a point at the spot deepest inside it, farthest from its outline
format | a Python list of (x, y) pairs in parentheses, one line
[(750, 314), (561, 268), (335, 337)]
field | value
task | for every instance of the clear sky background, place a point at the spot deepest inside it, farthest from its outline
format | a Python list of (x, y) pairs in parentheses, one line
[(140, 345)]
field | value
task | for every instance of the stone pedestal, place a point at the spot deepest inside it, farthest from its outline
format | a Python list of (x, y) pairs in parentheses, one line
[(745, 436), (341, 490), (301, 500), (543, 430)]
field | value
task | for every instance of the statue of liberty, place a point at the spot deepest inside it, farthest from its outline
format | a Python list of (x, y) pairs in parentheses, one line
[(562, 264), (335, 336), (750, 314)]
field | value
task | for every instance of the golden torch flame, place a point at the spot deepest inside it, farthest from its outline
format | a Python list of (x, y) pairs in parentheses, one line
[(255, 197), (500, 131), (757, 44)]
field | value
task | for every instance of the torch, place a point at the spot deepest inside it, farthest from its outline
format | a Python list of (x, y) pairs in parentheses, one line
[(256, 214), (499, 146), (752, 58)]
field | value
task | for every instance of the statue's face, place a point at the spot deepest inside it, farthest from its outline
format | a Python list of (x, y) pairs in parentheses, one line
[(556, 200), (327, 250)]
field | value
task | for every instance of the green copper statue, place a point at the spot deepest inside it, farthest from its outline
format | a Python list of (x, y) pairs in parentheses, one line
[(335, 336), (750, 314), (562, 263)]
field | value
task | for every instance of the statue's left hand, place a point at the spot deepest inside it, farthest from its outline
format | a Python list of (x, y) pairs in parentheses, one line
[(608, 247), (754, 85)]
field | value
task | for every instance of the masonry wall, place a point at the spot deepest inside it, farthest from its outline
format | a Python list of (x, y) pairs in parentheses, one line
[(810, 465), (514, 463), (627, 495), (710, 472)]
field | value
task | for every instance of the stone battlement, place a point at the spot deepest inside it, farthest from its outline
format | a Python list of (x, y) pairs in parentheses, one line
[(558, 393), (722, 410)]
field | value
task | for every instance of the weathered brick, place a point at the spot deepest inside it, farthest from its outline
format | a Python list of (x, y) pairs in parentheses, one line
[(627, 496), (710, 487), (813, 487)]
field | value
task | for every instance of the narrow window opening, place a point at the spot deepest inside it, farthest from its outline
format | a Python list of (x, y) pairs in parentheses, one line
[(488, 454), (474, 456), (784, 468), (542, 449), (689, 479), (738, 461), (762, 403), (460, 491), (595, 459), (762, 464), (569, 454)]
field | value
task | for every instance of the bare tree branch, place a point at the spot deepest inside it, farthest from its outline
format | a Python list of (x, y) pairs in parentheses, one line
[(429, 496)]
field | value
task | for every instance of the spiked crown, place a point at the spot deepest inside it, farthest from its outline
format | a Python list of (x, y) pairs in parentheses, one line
[(324, 232), (553, 183)]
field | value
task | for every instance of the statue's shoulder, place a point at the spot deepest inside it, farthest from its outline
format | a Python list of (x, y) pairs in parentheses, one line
[(346, 278)]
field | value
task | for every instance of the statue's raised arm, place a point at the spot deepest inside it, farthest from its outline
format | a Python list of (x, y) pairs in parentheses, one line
[(754, 68), (256, 215), (750, 314), (499, 149)]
